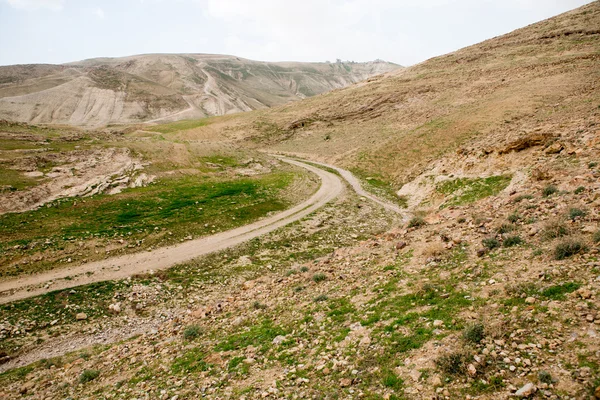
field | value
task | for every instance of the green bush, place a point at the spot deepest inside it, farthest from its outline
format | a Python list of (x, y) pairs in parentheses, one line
[(579, 190), (319, 277), (88, 375), (474, 333), (522, 197), (416, 222), (574, 213), (191, 332), (304, 268), (545, 377), (506, 228), (549, 190), (512, 241), (596, 237), (568, 248), (321, 297), (514, 217), (453, 363), (490, 243)]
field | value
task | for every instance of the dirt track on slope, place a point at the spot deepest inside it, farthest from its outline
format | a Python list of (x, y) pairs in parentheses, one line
[(123, 266), (162, 258)]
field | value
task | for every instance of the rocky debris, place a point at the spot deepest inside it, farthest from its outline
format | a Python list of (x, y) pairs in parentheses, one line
[(81, 316), (526, 391), (526, 142)]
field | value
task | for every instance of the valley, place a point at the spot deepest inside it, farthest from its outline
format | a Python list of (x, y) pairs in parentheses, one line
[(407, 233)]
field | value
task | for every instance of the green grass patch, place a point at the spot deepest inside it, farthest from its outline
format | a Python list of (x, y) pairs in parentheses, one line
[(259, 335), (192, 361), (462, 191), (557, 292), (182, 206), (173, 127)]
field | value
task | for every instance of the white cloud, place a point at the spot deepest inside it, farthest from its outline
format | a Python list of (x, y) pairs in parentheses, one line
[(99, 13), (37, 4)]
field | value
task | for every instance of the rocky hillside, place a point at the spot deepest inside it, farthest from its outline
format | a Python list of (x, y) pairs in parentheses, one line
[(105, 91), (490, 291)]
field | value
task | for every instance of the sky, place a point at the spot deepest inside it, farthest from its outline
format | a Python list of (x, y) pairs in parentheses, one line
[(402, 31)]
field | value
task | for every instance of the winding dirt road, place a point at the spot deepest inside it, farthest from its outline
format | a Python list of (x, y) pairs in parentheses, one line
[(165, 257), (131, 264)]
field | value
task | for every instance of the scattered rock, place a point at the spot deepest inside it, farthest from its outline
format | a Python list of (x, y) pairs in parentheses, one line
[(345, 382), (526, 391), (81, 316), (279, 339)]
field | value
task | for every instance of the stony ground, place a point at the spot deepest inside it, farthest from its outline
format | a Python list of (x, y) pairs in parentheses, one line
[(481, 296), (490, 291)]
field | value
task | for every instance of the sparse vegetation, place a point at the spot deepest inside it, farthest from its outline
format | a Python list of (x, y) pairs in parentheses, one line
[(568, 248), (454, 363), (506, 228), (545, 377), (88, 375), (555, 229), (513, 240), (549, 190), (319, 277), (491, 243), (575, 213), (474, 333), (416, 222), (467, 190), (191, 332)]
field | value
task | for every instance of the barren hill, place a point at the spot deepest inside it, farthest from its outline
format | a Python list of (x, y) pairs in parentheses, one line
[(102, 91), (542, 79)]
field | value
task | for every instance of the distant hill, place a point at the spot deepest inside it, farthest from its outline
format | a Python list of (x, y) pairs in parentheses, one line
[(104, 91)]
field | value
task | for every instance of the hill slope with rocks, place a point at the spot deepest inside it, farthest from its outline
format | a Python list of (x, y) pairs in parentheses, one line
[(104, 91), (490, 291)]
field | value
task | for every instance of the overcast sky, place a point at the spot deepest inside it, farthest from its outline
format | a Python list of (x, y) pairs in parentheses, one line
[(402, 31)]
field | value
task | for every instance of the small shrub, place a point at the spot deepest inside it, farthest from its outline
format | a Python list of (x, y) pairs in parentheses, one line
[(88, 375), (257, 305), (453, 363), (545, 377), (596, 237), (592, 164), (579, 190), (514, 218), (512, 241), (298, 289), (304, 268), (191, 332), (474, 333), (506, 228), (490, 243), (568, 248), (321, 297), (392, 381), (416, 222), (574, 213), (319, 277), (555, 229), (549, 190), (290, 272), (522, 197), (461, 220)]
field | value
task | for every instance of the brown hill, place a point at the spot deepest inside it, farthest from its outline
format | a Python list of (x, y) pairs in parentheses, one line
[(540, 79), (98, 92)]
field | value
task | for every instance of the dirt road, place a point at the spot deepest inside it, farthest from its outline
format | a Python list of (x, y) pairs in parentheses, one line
[(123, 266), (162, 258)]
